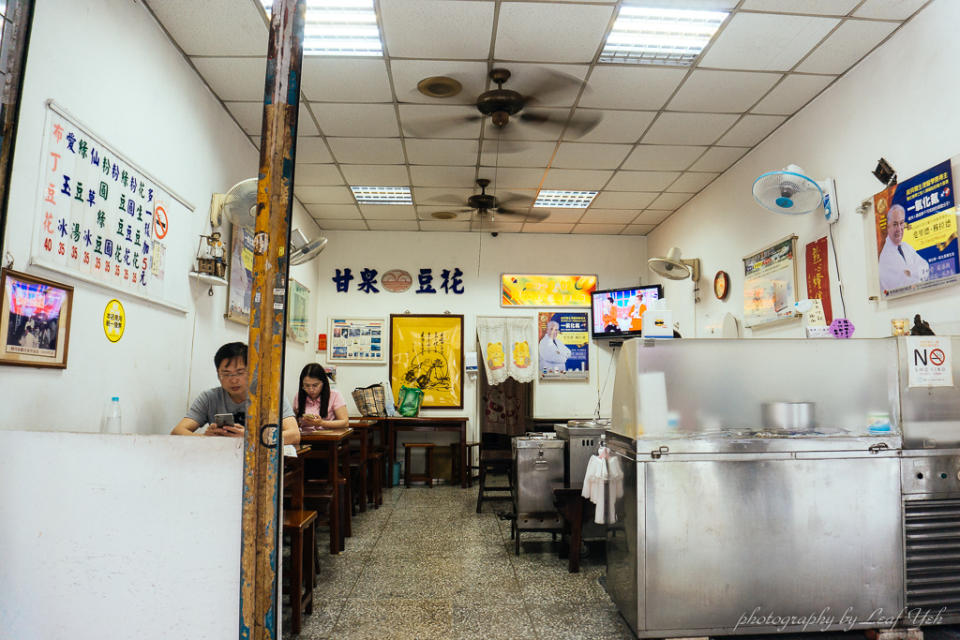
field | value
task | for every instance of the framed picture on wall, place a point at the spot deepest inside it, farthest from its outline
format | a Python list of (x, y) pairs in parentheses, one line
[(529, 290), (298, 316), (426, 352), (770, 283), (357, 340), (240, 284), (34, 321)]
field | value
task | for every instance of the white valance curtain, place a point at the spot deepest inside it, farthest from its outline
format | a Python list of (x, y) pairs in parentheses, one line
[(507, 344)]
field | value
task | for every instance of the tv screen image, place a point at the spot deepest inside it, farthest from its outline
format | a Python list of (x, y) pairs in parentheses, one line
[(619, 312)]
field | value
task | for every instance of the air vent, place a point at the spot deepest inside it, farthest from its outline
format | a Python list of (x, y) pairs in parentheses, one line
[(932, 531)]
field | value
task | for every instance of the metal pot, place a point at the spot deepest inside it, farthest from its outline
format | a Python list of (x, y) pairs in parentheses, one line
[(788, 416)]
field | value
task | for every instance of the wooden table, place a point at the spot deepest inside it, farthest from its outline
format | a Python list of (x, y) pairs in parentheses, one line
[(326, 444), (454, 424)]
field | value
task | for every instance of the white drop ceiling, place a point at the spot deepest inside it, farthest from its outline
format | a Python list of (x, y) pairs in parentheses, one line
[(664, 133)]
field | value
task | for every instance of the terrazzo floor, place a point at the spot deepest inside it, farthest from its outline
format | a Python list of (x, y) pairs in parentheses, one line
[(426, 566)]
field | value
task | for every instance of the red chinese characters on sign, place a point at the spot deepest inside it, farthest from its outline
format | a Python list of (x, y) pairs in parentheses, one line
[(818, 276)]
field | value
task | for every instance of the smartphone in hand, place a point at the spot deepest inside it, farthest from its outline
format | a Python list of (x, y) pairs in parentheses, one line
[(223, 420)]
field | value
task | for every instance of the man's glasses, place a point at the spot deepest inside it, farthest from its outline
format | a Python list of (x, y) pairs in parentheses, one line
[(226, 375)]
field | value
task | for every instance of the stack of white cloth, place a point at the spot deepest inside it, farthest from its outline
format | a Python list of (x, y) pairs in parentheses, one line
[(603, 471)]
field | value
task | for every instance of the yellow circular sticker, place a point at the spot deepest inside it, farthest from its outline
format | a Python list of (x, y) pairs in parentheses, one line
[(114, 320)]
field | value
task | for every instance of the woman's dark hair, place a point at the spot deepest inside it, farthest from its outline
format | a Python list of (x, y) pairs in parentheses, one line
[(313, 370)]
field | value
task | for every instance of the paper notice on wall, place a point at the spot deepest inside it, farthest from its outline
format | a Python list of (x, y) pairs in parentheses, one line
[(930, 361)]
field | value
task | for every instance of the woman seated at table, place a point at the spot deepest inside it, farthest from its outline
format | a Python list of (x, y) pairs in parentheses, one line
[(317, 406)]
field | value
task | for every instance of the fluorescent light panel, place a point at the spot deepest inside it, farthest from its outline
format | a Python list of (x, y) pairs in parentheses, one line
[(644, 35), (339, 28), (382, 195), (564, 199)]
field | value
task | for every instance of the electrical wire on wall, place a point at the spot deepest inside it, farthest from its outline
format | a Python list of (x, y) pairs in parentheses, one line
[(601, 389), (836, 264)]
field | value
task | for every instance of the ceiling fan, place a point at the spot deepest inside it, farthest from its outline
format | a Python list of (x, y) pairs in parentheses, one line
[(489, 206), (500, 104)]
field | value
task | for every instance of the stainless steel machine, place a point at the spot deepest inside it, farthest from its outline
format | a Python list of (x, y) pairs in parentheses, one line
[(581, 439), (724, 526), (537, 471)]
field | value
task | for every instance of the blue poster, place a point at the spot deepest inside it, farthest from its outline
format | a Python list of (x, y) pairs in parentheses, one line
[(564, 346), (916, 226)]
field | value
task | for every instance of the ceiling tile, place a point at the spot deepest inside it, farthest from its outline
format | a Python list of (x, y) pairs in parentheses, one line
[(630, 87), (688, 128), (439, 121), (576, 179), (349, 120), (562, 216), (199, 29), (388, 211), (546, 85), (791, 94), (484, 224), (750, 130), (435, 28), (609, 216), (615, 126), (442, 152), (311, 150), (407, 73), (888, 9), (233, 78), (652, 216), (366, 150), (765, 41), (547, 227), (623, 200), (342, 225), (424, 176), (670, 201), (530, 154), (692, 182), (662, 157), (316, 174), (250, 117), (853, 40), (575, 33), (444, 225), (637, 229), (589, 155), (599, 229), (718, 159), (722, 91), (330, 79), (820, 7), (323, 195), (393, 225), (456, 198), (334, 211), (512, 178), (641, 180), (376, 175)]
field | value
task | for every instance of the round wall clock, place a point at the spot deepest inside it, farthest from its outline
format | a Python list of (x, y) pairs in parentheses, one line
[(721, 285)]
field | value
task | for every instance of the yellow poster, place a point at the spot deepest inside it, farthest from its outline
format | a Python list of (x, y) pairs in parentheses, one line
[(546, 291), (426, 352)]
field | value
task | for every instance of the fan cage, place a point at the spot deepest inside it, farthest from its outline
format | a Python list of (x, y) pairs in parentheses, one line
[(787, 192)]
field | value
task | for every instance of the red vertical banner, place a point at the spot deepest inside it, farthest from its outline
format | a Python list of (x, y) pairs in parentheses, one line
[(818, 275)]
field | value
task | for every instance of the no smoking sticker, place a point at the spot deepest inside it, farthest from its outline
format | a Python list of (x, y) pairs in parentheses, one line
[(930, 361)]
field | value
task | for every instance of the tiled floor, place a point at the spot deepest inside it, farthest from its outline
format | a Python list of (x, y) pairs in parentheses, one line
[(426, 566)]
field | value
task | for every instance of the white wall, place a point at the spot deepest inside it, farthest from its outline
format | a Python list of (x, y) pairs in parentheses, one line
[(899, 103), (617, 260), (109, 63), (88, 551)]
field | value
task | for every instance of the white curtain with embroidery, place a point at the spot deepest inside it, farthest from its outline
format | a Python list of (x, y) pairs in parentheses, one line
[(507, 344)]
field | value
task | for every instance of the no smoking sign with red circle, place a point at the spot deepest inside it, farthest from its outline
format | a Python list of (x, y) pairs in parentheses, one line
[(937, 357), (160, 224)]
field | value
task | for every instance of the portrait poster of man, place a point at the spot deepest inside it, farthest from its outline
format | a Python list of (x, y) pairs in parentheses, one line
[(564, 350), (916, 230)]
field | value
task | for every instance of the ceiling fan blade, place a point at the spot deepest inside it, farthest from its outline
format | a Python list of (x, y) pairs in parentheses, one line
[(533, 215), (534, 118), (582, 123), (554, 83), (514, 199), (431, 128)]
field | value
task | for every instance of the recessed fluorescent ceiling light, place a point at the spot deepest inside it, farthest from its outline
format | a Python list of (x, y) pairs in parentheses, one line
[(660, 36), (339, 28), (382, 195), (564, 199)]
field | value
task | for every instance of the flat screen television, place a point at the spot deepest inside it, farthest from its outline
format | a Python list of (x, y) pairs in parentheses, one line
[(616, 313)]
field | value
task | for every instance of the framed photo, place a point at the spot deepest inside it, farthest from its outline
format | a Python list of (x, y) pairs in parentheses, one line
[(240, 283), (34, 321), (770, 284), (357, 340), (298, 316), (426, 352), (528, 290)]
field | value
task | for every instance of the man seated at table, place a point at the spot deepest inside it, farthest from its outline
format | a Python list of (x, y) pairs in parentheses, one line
[(230, 398)]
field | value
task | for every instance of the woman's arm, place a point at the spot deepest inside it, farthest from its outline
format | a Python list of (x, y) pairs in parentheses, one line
[(341, 419)]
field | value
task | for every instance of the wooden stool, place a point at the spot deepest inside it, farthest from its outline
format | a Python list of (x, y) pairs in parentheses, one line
[(374, 486), (300, 525), (409, 476), (455, 461)]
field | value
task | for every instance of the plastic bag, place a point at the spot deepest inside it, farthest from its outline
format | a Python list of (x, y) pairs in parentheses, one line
[(371, 401), (409, 399)]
